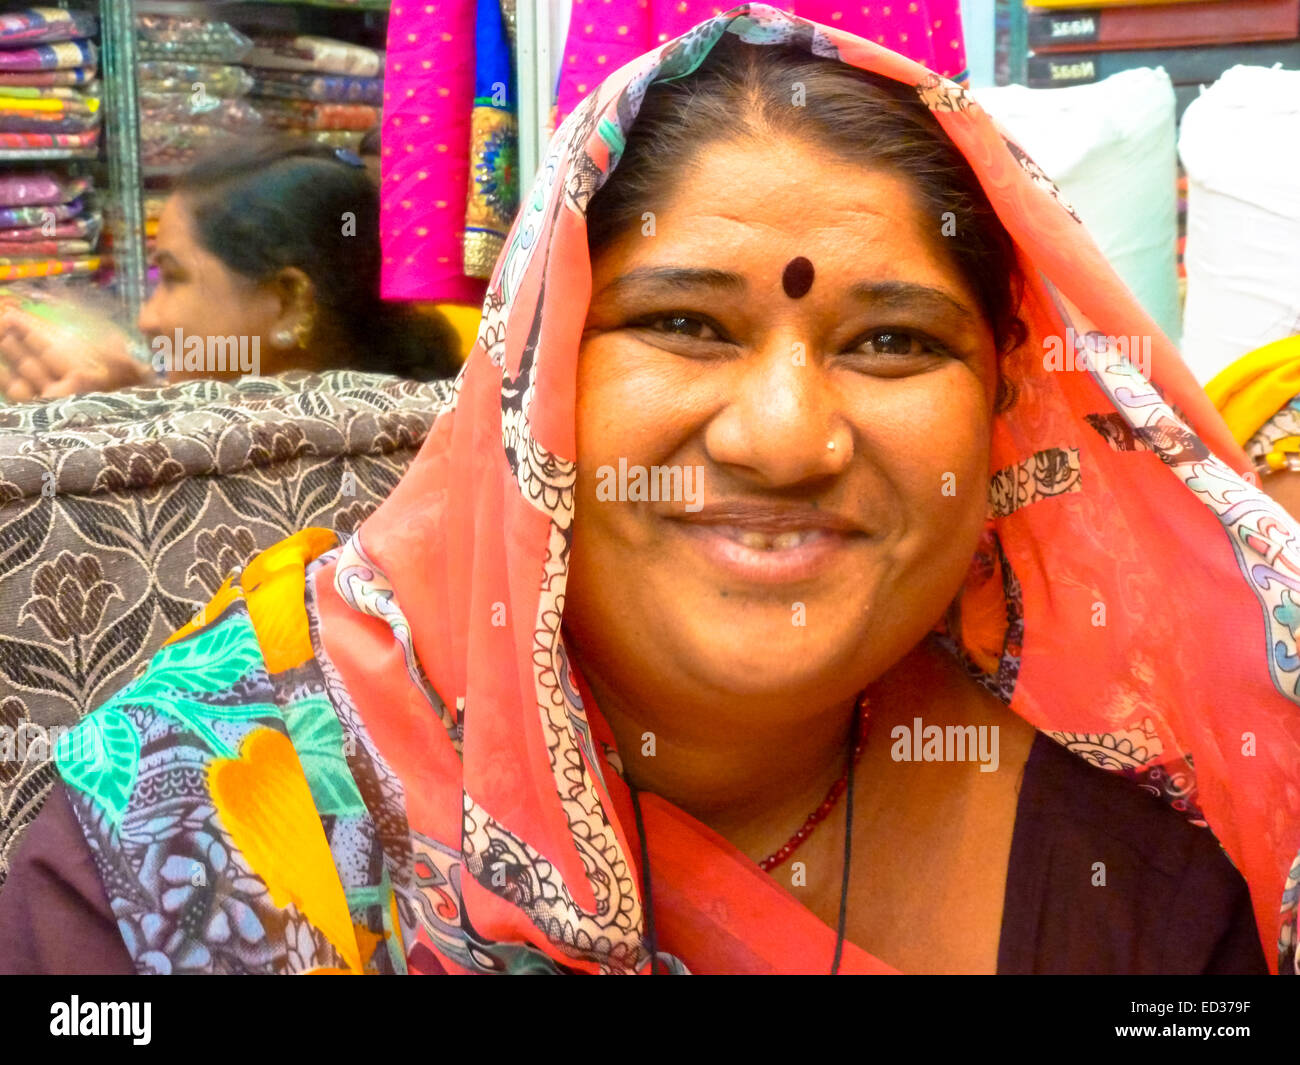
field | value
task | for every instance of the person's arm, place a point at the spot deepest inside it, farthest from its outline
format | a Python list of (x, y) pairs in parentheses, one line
[(40, 360), (54, 914)]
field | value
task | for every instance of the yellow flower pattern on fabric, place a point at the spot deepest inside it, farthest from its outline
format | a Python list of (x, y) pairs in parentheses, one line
[(221, 598), (273, 583), (265, 803), (310, 891)]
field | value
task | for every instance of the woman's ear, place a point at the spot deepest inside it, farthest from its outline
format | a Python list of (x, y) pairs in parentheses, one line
[(295, 289), (1005, 396), (295, 297)]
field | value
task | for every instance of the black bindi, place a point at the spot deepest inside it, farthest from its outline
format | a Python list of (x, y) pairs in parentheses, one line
[(798, 277)]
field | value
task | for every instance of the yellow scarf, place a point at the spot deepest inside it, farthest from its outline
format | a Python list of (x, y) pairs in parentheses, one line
[(1255, 387)]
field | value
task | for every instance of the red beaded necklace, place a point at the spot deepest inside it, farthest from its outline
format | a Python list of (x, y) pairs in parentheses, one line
[(827, 804)]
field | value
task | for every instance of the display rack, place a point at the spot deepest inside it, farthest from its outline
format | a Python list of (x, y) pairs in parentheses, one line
[(124, 214), (120, 148), (540, 29), (1011, 47), (68, 162)]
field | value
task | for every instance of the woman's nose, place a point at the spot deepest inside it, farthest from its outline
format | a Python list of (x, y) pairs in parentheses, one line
[(148, 321), (781, 423)]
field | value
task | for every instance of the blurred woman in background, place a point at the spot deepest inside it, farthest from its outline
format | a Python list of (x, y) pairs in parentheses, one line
[(269, 241)]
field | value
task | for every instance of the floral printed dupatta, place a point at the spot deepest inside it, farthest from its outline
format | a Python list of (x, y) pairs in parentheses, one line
[(455, 800)]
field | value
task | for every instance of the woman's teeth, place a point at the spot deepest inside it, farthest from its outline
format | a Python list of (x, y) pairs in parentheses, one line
[(757, 541)]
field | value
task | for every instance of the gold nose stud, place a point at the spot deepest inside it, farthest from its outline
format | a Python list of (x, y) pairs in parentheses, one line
[(830, 445)]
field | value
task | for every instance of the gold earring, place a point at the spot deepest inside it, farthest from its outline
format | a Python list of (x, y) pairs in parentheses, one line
[(302, 331)]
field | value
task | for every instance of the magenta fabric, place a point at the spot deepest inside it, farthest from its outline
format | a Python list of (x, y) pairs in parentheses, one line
[(605, 34), (428, 99)]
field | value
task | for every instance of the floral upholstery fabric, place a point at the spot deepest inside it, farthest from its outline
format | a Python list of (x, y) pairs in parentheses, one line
[(121, 513)]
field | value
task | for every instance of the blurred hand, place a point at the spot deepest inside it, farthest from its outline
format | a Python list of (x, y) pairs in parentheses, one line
[(41, 360)]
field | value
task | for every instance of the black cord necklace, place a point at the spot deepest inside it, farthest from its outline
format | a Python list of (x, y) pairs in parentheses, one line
[(652, 941), (848, 859)]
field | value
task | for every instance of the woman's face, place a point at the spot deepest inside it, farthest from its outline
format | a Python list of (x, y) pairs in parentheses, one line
[(198, 294), (799, 568)]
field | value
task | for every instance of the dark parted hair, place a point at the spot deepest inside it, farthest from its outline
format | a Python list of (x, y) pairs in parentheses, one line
[(747, 91), (266, 203)]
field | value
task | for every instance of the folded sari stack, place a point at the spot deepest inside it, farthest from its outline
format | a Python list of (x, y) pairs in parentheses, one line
[(222, 80), (322, 89), (50, 109), (307, 115), (49, 101), (317, 55), (192, 88), (46, 46), (47, 227)]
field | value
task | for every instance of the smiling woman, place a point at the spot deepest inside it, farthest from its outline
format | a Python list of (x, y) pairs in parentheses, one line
[(913, 676), (825, 424)]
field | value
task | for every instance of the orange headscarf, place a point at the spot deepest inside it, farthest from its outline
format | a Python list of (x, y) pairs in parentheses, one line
[(1137, 599)]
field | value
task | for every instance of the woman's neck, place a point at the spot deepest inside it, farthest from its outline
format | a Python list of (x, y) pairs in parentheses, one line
[(753, 777)]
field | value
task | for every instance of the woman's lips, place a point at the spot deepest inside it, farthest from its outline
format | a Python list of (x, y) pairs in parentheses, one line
[(769, 557)]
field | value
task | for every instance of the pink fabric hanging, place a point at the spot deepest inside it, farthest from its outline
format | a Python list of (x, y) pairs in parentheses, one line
[(605, 34), (429, 94), (428, 100)]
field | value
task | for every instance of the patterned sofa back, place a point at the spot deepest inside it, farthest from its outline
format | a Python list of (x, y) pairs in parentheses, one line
[(121, 513)]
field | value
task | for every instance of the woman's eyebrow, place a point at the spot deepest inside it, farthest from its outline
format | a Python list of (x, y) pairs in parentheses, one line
[(908, 295), (888, 295), (676, 277)]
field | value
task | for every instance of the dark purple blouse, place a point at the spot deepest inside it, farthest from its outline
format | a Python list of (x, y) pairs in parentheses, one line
[(1172, 902)]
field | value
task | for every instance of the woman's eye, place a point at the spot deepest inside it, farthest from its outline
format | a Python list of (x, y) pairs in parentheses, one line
[(898, 353), (682, 325), (896, 342)]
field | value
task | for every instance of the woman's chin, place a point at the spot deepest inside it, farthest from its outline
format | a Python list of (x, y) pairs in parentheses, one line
[(735, 662)]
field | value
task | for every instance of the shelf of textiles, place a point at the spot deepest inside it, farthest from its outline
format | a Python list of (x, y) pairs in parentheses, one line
[(202, 80), (50, 123), (320, 74), (1195, 43), (328, 90)]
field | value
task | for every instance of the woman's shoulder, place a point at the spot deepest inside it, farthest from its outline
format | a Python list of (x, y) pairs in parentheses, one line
[(1105, 876), (1062, 785), (55, 916), (207, 690)]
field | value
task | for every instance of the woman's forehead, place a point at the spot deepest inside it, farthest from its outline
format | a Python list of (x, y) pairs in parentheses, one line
[(751, 209)]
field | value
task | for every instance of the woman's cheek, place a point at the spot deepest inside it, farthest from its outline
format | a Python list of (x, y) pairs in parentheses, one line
[(943, 455), (632, 403)]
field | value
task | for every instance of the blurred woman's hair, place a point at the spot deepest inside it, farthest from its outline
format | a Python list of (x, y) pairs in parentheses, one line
[(264, 204), (742, 91)]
